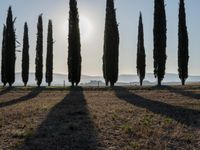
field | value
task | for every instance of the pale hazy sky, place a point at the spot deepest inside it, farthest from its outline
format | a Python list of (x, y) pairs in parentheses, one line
[(92, 14)]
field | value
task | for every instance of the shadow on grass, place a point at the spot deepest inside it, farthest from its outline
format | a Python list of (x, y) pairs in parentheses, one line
[(185, 116), (183, 92), (29, 96), (4, 91), (67, 126)]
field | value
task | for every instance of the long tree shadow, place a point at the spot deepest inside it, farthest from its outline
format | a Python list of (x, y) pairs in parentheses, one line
[(5, 90), (185, 116), (183, 92), (29, 96), (68, 126)]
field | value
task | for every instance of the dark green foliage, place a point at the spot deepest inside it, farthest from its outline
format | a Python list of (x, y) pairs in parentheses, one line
[(39, 52), (3, 67), (183, 54), (141, 62), (111, 45), (74, 45), (49, 58), (10, 49), (25, 56), (160, 39)]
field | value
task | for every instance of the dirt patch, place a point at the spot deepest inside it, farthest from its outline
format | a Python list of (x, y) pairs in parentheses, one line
[(110, 119)]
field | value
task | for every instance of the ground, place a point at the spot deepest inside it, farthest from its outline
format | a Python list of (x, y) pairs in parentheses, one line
[(122, 118)]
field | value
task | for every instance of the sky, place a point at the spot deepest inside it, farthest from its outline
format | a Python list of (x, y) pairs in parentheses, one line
[(92, 22)]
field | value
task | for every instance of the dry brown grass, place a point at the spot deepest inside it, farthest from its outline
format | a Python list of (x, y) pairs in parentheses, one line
[(102, 119)]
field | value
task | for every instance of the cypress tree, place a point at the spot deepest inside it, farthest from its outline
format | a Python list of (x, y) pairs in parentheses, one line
[(111, 45), (10, 49), (74, 45), (49, 58), (25, 56), (39, 52), (3, 67), (183, 57), (160, 39), (141, 62)]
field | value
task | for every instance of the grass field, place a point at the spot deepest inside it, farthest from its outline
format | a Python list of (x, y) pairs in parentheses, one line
[(100, 118)]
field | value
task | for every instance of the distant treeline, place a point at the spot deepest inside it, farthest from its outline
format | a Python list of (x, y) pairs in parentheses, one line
[(110, 49)]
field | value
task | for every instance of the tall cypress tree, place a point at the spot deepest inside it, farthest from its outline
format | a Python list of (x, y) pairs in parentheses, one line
[(183, 53), (160, 39), (10, 49), (39, 52), (3, 67), (141, 62), (49, 58), (111, 45), (25, 56), (74, 45)]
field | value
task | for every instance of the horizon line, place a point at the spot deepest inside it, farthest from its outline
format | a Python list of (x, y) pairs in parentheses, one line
[(118, 75)]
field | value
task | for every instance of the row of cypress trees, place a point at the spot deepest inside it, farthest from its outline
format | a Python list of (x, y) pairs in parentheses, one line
[(9, 48), (160, 38), (39, 53), (111, 44), (110, 48)]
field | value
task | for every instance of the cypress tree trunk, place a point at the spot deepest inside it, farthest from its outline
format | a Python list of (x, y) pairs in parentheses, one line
[(111, 45), (25, 56), (141, 62), (39, 52), (3, 67), (49, 58), (141, 82), (159, 82), (74, 46), (183, 54), (10, 49), (183, 81), (112, 84)]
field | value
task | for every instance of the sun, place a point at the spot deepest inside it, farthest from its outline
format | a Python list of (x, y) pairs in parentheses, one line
[(86, 27)]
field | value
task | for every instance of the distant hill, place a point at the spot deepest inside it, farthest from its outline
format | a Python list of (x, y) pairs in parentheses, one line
[(169, 77), (124, 79)]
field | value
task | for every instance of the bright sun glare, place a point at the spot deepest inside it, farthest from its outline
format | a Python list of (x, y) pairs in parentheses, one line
[(85, 28)]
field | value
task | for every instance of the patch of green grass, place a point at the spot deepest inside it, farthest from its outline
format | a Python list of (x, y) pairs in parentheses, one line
[(128, 128), (115, 116), (146, 121), (168, 121), (133, 145), (188, 137), (29, 133), (23, 134)]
